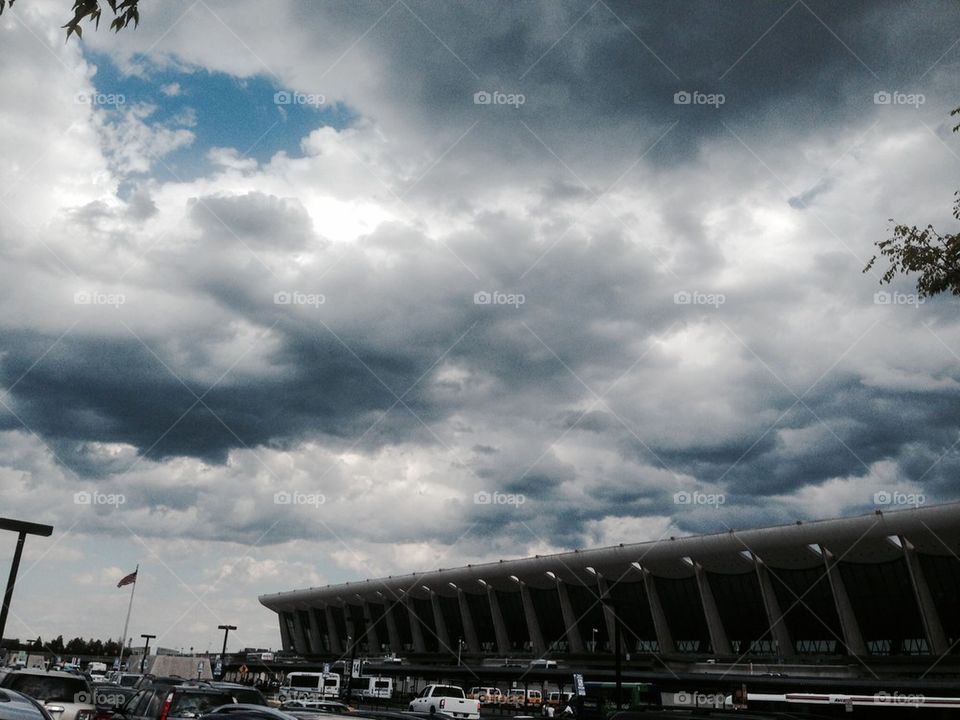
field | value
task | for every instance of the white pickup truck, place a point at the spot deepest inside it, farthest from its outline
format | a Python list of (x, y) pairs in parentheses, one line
[(447, 699)]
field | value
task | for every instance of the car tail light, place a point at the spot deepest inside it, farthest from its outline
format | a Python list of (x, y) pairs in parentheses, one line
[(103, 715), (443, 703), (166, 706)]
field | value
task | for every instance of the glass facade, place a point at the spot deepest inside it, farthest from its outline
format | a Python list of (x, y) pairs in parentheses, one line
[(885, 606), (809, 612), (680, 599), (742, 612)]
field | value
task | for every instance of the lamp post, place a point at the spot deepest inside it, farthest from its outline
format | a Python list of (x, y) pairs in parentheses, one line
[(593, 641), (146, 650), (223, 653), (24, 529), (459, 650)]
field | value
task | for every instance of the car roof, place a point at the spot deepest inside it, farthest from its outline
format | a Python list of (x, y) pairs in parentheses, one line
[(45, 673), (15, 705)]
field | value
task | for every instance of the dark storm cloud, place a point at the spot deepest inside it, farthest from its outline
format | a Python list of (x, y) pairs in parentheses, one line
[(598, 296), (255, 219), (801, 66)]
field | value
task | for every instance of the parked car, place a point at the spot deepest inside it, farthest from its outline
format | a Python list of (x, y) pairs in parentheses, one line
[(559, 699), (148, 680), (306, 710), (64, 695), (243, 711), (164, 702), (109, 697), (17, 706), (243, 694), (124, 679), (447, 699)]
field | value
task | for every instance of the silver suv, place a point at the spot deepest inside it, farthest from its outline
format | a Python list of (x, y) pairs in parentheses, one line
[(64, 695)]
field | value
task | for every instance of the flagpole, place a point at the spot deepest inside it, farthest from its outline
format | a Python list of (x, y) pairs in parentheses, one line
[(126, 624)]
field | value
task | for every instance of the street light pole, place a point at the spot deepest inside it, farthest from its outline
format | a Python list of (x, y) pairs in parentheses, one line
[(146, 650), (593, 641), (459, 650), (223, 653), (24, 529)]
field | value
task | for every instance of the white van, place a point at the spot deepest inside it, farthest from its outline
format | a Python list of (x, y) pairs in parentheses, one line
[(518, 698), (374, 687), (307, 686)]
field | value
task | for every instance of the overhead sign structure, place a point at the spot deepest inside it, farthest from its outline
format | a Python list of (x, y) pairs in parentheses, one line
[(22, 529)]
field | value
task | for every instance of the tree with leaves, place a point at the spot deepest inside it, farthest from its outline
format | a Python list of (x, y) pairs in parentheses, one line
[(124, 13), (934, 255)]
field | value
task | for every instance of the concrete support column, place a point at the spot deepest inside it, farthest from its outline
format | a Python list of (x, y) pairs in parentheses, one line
[(285, 640), (574, 637), (609, 616), (718, 635), (466, 619), (660, 624), (779, 631), (499, 627), (932, 625), (533, 626), (332, 633), (393, 634), (440, 624), (299, 633), (852, 637), (370, 618), (316, 640), (351, 626), (416, 628)]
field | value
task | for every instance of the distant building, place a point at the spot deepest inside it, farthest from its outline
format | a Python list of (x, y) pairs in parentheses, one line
[(887, 583)]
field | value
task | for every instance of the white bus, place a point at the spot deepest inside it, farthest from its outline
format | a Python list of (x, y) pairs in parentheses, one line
[(308, 686), (260, 656), (374, 687)]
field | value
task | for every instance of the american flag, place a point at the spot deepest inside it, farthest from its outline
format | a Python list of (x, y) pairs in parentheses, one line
[(128, 580)]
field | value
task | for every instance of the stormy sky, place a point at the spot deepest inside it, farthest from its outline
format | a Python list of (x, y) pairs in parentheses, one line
[(288, 290)]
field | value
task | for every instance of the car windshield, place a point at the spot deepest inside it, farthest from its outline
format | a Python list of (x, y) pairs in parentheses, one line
[(194, 704), (129, 680), (48, 687)]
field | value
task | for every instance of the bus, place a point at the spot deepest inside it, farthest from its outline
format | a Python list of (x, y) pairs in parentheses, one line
[(380, 688), (260, 657), (305, 687)]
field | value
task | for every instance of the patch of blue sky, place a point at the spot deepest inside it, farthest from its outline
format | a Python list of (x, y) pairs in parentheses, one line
[(252, 115)]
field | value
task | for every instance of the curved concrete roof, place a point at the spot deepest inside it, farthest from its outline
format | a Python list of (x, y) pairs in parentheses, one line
[(864, 539)]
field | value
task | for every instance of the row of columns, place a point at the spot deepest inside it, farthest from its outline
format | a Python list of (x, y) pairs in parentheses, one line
[(779, 632)]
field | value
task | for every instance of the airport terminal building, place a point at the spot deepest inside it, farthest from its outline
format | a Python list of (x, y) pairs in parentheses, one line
[(883, 584)]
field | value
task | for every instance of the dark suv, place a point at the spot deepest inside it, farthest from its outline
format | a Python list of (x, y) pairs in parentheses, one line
[(177, 702), (245, 694)]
